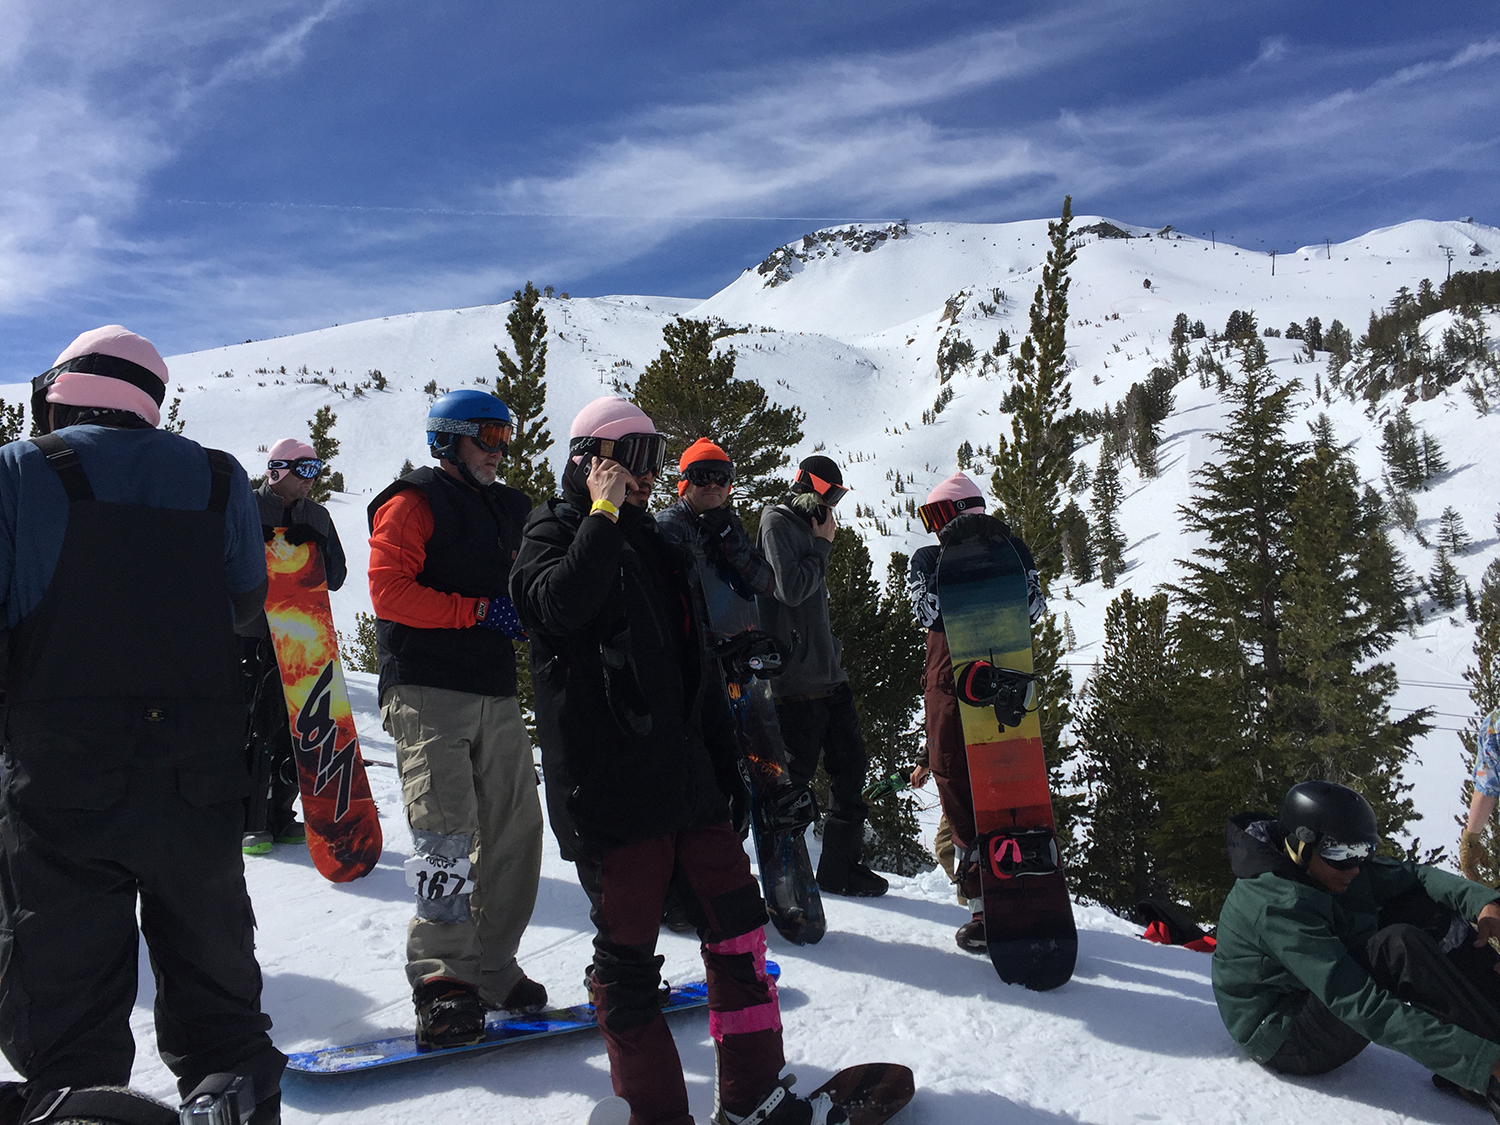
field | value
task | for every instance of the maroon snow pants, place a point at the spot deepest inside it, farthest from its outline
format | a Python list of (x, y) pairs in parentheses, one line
[(709, 873), (947, 755)]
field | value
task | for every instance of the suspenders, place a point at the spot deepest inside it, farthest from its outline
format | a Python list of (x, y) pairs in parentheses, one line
[(63, 459)]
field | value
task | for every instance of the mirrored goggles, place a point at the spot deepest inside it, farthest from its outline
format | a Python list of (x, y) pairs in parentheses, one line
[(639, 453), (703, 476), (935, 516), (305, 467), (830, 494), (488, 435), (1342, 856)]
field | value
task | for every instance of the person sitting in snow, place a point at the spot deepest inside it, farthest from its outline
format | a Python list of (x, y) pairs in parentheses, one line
[(955, 507), (1324, 948)]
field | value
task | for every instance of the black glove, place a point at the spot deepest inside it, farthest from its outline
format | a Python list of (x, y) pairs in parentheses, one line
[(300, 533), (719, 522)]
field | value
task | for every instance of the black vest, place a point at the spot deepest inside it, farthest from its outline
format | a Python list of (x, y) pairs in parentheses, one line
[(475, 535), (129, 662)]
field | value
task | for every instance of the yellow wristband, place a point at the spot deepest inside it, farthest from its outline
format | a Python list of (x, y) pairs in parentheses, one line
[(606, 507)]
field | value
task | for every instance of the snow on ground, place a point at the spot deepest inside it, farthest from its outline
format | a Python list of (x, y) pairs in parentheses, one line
[(1134, 1037), (852, 337)]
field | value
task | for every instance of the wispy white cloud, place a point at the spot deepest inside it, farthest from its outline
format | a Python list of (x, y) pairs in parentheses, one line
[(91, 97), (1272, 50)]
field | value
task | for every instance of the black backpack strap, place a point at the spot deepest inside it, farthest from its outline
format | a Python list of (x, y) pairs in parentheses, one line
[(221, 470), (63, 459)]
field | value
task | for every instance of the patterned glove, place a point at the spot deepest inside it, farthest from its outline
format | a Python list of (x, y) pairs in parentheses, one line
[(500, 613), (1471, 853)]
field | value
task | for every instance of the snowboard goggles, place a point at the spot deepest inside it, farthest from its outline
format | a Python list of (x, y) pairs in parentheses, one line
[(830, 494), (639, 453), (935, 516), (307, 468), (1343, 857), (488, 434), (703, 476)]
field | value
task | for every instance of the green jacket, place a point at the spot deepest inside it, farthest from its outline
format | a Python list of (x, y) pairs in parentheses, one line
[(1280, 937)]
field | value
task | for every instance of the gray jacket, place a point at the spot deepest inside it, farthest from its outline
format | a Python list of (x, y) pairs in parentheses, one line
[(798, 613)]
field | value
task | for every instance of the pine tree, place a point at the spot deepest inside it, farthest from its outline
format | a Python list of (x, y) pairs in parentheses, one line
[(12, 421), (1054, 712), (326, 446), (1108, 542), (883, 655), (1451, 533), (1484, 692), (1077, 548), (1228, 633), (690, 391), (1122, 734), (522, 386), (1443, 581), (1033, 465), (1344, 602)]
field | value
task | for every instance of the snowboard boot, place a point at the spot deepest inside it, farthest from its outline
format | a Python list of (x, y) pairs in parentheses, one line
[(674, 916), (840, 869), (256, 843), (526, 995), (294, 832), (782, 1107), (970, 936), (1492, 1099), (449, 1014)]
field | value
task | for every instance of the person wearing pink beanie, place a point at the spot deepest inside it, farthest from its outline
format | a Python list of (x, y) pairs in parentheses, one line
[(956, 503), (292, 466), (131, 554), (643, 789)]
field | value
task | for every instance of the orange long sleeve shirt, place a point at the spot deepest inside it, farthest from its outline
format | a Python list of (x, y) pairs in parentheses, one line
[(398, 552)]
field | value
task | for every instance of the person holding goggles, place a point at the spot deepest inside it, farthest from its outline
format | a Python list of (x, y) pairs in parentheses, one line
[(1325, 947)]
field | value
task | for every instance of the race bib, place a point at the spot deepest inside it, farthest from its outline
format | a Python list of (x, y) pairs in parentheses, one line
[(436, 876)]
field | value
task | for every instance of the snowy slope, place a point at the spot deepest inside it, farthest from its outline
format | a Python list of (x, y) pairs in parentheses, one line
[(852, 338)]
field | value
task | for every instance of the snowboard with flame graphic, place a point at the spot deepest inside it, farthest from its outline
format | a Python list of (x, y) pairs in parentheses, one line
[(343, 828)]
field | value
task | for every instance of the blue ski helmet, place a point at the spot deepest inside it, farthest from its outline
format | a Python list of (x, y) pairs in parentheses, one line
[(476, 414)]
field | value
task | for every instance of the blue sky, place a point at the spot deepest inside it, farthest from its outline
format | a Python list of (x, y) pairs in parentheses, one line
[(210, 173)]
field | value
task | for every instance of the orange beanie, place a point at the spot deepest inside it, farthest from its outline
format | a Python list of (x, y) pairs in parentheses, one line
[(700, 451)]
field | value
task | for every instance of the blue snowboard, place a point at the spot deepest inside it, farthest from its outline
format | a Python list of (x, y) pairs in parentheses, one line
[(500, 1030)]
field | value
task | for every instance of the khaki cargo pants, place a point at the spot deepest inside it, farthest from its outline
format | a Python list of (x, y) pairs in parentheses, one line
[(470, 790)]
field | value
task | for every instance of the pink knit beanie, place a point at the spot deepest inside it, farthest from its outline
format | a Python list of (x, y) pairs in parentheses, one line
[(109, 392), (956, 487)]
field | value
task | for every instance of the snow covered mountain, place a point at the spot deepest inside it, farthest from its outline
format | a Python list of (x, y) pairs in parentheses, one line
[(849, 324)]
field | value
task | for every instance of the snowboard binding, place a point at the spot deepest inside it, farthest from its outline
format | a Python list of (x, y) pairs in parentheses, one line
[(1012, 853), (753, 654), (980, 683)]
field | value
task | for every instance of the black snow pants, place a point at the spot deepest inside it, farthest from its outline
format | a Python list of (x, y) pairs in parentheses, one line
[(273, 762), (69, 883), (1459, 987)]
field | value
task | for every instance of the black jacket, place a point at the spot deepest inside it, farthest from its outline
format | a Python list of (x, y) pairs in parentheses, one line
[(636, 735), (475, 536)]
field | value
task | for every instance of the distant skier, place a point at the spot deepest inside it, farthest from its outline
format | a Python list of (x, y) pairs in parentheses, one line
[(813, 700), (127, 556), (956, 506), (1324, 948), (442, 543), (1486, 792), (642, 789), (291, 468)]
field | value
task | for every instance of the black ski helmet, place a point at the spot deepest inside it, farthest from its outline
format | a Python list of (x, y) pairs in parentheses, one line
[(1321, 813)]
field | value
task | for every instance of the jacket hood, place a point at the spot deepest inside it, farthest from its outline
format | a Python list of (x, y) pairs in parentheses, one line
[(1255, 847)]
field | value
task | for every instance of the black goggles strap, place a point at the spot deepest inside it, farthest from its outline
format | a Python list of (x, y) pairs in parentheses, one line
[(110, 366)]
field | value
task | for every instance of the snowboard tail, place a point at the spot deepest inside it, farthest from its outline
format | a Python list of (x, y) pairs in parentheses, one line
[(499, 1030), (786, 872), (870, 1093), (1028, 915), (343, 825)]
